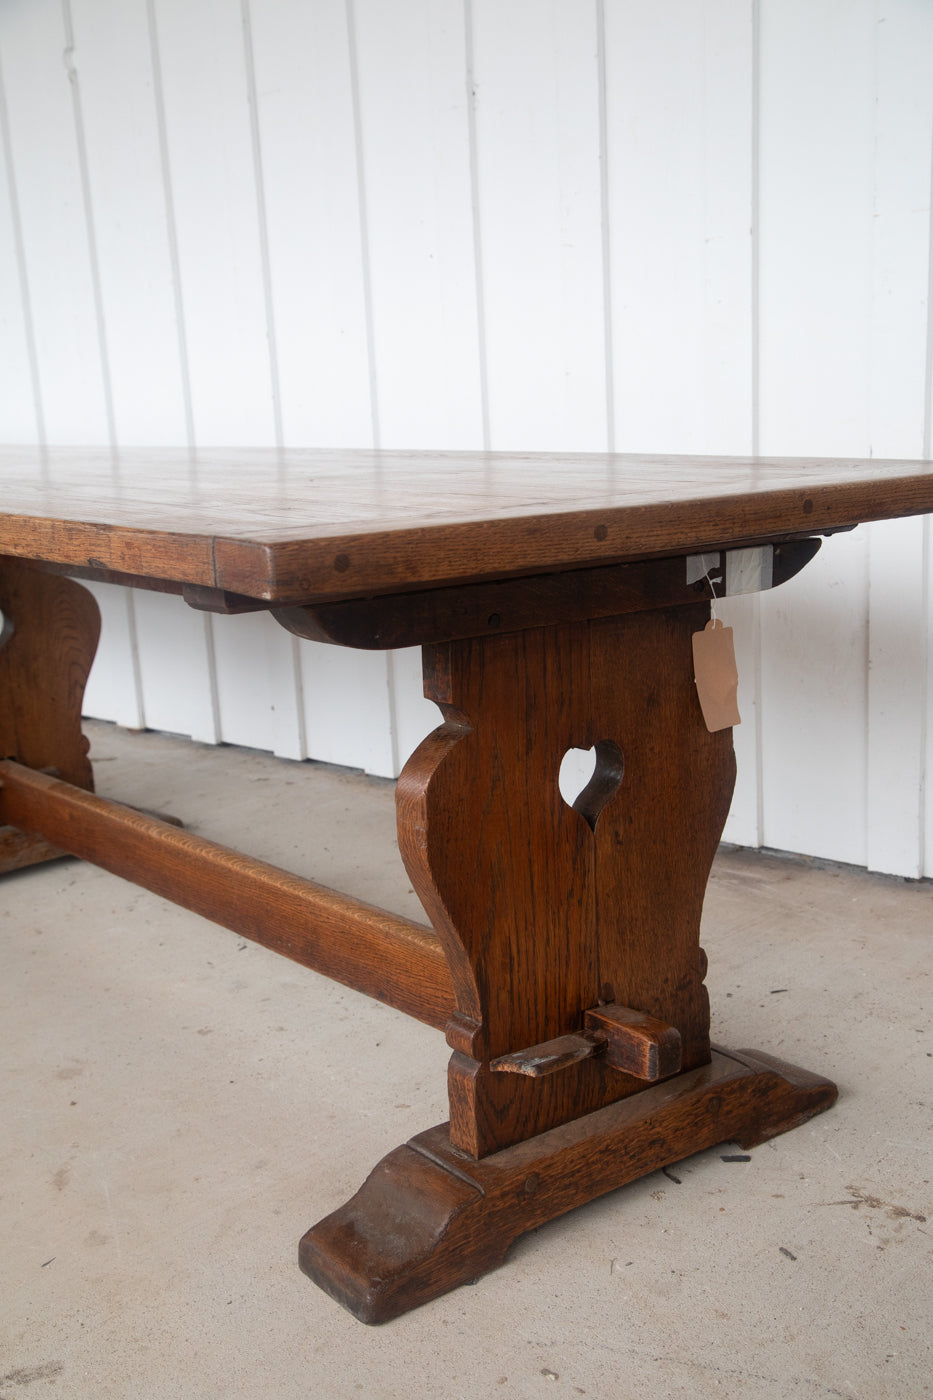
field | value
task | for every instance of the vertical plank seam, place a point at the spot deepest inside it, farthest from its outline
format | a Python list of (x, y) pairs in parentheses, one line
[(755, 347), (181, 328), (605, 231), (262, 222), (103, 348), (926, 698), (872, 15), (926, 865), (272, 350), (213, 696), (301, 726), (395, 752), (927, 448), (756, 229), (367, 279), (29, 328), (84, 174), (868, 807), (389, 677), (365, 248), (134, 657), (479, 275), (171, 226)]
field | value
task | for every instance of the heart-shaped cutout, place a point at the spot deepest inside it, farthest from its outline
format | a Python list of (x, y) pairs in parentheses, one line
[(589, 778)]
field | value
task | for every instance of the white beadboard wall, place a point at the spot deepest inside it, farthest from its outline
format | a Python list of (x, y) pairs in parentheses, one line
[(648, 225)]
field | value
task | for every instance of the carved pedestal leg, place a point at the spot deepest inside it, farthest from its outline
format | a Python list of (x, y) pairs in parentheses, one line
[(548, 911), (581, 1037), (48, 639)]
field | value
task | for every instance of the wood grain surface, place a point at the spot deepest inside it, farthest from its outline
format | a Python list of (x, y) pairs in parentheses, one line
[(308, 525), (383, 955), (428, 1219), (546, 911), (49, 629)]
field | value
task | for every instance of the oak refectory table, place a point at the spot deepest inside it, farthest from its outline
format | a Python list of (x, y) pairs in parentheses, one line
[(556, 599)]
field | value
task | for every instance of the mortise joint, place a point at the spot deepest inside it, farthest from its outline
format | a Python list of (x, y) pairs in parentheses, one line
[(636, 1043), (630, 1041)]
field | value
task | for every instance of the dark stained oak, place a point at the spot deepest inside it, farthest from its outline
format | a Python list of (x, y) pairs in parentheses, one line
[(631, 1041), (635, 1042), (579, 907), (48, 638), (555, 600), (512, 605)]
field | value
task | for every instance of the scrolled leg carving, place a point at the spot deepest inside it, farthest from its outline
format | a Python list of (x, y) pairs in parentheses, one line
[(581, 1055), (545, 911)]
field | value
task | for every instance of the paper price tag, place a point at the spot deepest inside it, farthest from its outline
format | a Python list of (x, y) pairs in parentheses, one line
[(717, 676)]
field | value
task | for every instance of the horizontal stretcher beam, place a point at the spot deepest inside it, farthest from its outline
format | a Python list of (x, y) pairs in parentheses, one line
[(393, 959)]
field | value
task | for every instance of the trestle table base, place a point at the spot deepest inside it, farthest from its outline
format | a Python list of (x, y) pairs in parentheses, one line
[(564, 961), (429, 1218)]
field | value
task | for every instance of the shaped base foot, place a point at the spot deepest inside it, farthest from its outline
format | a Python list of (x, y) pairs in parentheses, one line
[(430, 1218)]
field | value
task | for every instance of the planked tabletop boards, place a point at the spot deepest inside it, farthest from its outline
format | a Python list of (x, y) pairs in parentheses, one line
[(305, 525)]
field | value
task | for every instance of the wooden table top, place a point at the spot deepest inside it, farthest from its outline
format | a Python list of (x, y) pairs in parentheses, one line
[(314, 525)]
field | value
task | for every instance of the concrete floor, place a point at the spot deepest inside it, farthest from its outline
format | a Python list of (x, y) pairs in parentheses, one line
[(177, 1106)]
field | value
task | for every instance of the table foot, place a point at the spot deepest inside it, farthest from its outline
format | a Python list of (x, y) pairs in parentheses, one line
[(430, 1218)]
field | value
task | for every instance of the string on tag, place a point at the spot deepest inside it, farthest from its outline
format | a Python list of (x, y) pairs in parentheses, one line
[(714, 667), (712, 584)]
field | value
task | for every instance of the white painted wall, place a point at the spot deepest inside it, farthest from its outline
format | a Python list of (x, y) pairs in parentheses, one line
[(660, 225)]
